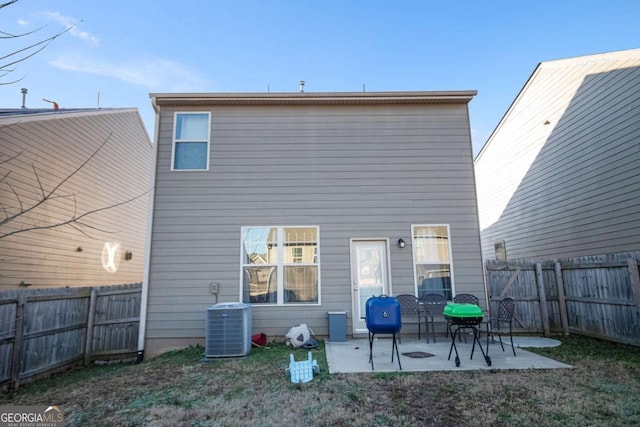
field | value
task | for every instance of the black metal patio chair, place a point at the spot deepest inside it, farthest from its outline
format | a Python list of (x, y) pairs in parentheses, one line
[(466, 299), (498, 324), (410, 310), (433, 305)]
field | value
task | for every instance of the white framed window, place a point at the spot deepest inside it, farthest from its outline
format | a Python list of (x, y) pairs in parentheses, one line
[(432, 261), (191, 135), (280, 265)]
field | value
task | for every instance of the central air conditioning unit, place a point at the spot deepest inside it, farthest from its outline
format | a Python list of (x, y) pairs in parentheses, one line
[(228, 331)]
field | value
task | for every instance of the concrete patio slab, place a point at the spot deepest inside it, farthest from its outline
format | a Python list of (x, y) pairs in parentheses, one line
[(353, 356)]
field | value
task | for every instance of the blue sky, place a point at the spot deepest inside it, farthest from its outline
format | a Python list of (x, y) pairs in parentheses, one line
[(125, 49)]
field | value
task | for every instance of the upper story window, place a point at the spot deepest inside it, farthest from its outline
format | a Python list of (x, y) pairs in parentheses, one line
[(191, 141), (280, 265), (432, 260)]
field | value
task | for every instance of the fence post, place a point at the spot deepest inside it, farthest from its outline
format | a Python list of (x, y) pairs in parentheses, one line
[(488, 287), (562, 301), (17, 342), (544, 313), (88, 343), (635, 280)]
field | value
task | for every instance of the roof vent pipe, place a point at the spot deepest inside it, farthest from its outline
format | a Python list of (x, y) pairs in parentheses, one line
[(301, 86), (24, 91)]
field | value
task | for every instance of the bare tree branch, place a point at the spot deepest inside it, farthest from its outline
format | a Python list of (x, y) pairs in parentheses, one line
[(10, 158), (15, 36), (47, 196), (5, 176), (63, 196), (75, 219), (15, 193), (11, 82), (7, 3), (26, 52), (79, 230), (79, 225), (44, 42), (35, 172)]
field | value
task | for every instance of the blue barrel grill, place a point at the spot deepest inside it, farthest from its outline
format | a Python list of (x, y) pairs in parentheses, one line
[(383, 317)]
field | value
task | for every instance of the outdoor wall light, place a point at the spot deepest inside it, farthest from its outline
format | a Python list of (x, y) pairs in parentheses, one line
[(401, 243)]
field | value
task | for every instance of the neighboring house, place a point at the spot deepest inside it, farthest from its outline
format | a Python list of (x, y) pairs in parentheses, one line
[(560, 175), (41, 149), (299, 203)]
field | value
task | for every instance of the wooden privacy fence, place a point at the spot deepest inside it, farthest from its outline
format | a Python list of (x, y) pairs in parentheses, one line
[(44, 330), (597, 296)]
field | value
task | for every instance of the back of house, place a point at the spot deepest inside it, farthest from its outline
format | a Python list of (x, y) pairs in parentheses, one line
[(304, 204)]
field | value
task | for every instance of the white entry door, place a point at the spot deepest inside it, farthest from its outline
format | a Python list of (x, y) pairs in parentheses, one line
[(369, 276)]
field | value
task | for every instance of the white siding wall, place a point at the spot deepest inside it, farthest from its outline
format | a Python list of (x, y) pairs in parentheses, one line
[(571, 187), (57, 144), (354, 171)]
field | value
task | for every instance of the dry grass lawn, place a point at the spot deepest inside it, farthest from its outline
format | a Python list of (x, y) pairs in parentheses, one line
[(177, 390)]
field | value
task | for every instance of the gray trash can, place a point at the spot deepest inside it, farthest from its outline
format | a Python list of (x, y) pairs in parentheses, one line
[(337, 326)]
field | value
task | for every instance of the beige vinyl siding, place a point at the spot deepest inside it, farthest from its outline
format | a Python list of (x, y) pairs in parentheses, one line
[(572, 187), (56, 144), (353, 171)]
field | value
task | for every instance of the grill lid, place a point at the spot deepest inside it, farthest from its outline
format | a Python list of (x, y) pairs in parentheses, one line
[(454, 309), (383, 315)]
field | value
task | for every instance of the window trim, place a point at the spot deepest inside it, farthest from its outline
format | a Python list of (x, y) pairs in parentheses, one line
[(280, 266), (174, 140), (413, 255)]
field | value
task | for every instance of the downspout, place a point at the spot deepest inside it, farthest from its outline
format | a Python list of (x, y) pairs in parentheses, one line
[(475, 191), (144, 298)]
